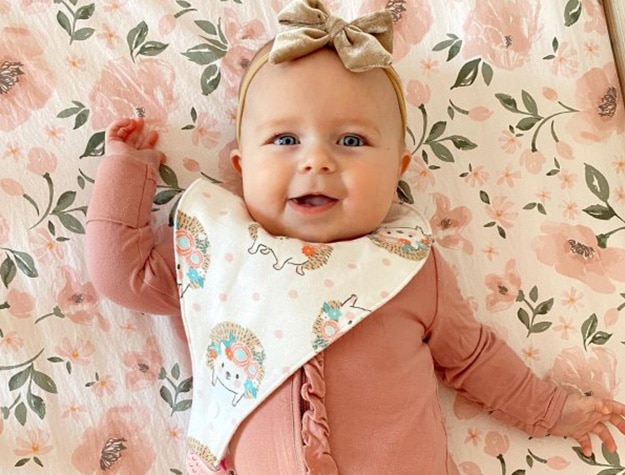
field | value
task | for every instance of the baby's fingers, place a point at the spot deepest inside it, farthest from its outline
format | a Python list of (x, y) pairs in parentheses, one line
[(120, 129), (606, 438), (585, 444)]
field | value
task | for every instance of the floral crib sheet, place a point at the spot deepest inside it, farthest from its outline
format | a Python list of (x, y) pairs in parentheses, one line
[(517, 129)]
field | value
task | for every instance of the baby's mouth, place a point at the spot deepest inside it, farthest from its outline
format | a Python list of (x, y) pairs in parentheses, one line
[(313, 200)]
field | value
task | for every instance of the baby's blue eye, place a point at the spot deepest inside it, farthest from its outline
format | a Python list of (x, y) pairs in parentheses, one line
[(285, 140), (351, 141)]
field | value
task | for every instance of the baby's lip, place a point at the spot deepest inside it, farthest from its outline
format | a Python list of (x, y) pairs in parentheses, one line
[(313, 200)]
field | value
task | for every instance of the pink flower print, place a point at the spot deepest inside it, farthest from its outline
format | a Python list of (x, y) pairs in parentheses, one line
[(144, 366), (530, 353), (464, 408), (79, 352), (599, 100), (4, 230), (496, 444), (509, 143), (572, 250), (578, 371), (557, 463), (243, 40), (204, 131), (30, 81), (503, 33), (40, 161), (448, 224), (13, 151), (109, 36), (412, 20), (565, 61), (21, 304), (565, 150), (55, 133), (36, 444), (104, 385), (423, 177), (504, 288), (74, 410), (572, 299), (500, 212), (470, 468), (473, 436), (114, 6), (35, 6), (45, 248), (191, 164), (11, 341), (508, 176), (78, 301), (477, 176), (118, 443), (76, 63), (417, 93), (11, 187), (570, 209), (480, 113), (564, 327), (429, 65), (550, 94), (532, 161), (166, 24), (594, 17), (619, 164), (233, 66), (124, 86)]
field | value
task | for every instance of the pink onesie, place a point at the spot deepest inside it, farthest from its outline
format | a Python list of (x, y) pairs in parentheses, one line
[(366, 405)]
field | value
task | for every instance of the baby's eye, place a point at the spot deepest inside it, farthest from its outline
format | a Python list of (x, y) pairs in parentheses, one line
[(351, 141), (285, 139)]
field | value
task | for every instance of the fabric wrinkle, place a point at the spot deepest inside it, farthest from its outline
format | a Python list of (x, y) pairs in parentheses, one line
[(318, 459)]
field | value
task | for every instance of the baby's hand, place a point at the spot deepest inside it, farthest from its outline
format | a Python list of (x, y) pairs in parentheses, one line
[(585, 415), (126, 137)]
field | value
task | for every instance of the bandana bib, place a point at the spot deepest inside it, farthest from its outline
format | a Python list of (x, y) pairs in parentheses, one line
[(256, 307)]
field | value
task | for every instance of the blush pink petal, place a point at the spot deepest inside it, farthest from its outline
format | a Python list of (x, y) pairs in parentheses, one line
[(124, 86), (600, 102), (578, 371), (21, 304), (412, 20), (572, 250), (144, 366), (119, 426), (34, 87), (448, 224), (503, 33)]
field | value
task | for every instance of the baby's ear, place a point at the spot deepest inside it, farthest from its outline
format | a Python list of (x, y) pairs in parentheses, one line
[(404, 161), (235, 158)]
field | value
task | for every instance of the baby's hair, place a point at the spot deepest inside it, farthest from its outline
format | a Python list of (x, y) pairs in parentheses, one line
[(261, 57)]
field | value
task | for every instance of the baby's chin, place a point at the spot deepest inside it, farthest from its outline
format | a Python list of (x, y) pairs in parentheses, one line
[(316, 236)]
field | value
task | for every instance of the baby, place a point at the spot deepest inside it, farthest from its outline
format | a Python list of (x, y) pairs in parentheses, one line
[(325, 366)]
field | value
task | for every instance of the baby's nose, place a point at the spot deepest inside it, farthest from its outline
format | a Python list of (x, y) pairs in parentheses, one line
[(318, 160)]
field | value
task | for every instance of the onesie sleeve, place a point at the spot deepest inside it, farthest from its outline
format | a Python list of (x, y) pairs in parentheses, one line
[(482, 367), (124, 261)]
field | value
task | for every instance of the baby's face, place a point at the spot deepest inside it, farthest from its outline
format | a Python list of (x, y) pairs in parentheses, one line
[(321, 149)]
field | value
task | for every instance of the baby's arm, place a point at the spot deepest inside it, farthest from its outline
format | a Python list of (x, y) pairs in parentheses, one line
[(585, 415), (124, 261), (486, 370)]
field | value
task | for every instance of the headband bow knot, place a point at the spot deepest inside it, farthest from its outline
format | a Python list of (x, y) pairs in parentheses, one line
[(362, 44)]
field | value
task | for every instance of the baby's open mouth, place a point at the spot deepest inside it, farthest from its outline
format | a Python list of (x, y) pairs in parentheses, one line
[(313, 200)]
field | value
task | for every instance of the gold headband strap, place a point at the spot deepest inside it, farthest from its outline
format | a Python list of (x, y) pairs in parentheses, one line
[(263, 59)]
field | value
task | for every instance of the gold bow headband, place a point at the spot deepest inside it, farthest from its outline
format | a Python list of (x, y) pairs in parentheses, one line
[(362, 44)]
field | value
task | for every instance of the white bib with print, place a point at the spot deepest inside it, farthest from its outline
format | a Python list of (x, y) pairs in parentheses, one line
[(257, 307)]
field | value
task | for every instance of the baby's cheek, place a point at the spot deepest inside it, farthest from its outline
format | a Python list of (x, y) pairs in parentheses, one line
[(237, 383)]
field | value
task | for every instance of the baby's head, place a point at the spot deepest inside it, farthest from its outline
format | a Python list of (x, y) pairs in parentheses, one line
[(320, 148)]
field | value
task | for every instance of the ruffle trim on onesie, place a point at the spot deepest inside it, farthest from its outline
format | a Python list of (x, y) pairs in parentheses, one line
[(315, 428)]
